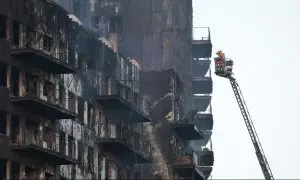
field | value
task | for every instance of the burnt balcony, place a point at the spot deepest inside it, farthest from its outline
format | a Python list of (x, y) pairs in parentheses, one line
[(4, 46), (205, 122), (202, 142), (187, 129), (202, 85), (201, 66), (111, 9), (48, 147), (40, 56), (206, 157), (121, 101), (43, 104), (186, 167), (206, 170), (201, 101), (205, 119), (207, 136), (4, 100), (201, 46), (130, 149)]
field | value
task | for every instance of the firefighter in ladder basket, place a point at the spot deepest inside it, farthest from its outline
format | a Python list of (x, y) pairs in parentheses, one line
[(220, 62), (223, 65)]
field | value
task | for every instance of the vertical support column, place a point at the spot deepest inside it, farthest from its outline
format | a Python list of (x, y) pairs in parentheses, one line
[(8, 124), (113, 39), (8, 170), (193, 175), (39, 87), (76, 105), (66, 98), (57, 172), (95, 163), (8, 27), (42, 173), (173, 91), (22, 130), (103, 168), (22, 170), (85, 113), (8, 74), (109, 86), (21, 83), (21, 26), (41, 133), (56, 93)]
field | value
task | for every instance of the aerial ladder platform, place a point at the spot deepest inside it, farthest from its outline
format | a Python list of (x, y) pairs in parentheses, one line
[(223, 68)]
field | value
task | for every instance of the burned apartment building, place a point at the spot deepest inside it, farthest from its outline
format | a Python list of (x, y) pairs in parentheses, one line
[(103, 89), (70, 105), (175, 76)]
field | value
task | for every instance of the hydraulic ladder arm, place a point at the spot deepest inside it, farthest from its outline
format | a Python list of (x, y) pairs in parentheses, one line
[(254, 137)]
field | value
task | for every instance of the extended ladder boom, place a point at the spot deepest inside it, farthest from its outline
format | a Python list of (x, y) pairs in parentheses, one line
[(248, 121)]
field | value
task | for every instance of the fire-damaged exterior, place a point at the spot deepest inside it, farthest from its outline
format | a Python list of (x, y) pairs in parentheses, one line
[(103, 89)]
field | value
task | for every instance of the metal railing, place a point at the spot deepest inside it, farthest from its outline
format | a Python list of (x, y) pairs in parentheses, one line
[(207, 111), (53, 96), (190, 121), (205, 151), (191, 118), (41, 46), (207, 75), (191, 158), (45, 140), (208, 147), (114, 8), (129, 137), (200, 95), (116, 88), (201, 33), (202, 59), (186, 158), (66, 55)]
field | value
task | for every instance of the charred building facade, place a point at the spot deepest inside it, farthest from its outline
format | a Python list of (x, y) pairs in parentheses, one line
[(103, 89)]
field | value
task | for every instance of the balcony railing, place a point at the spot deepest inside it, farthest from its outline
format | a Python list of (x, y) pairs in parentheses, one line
[(202, 85), (206, 170), (201, 68), (207, 111), (120, 97), (206, 119), (45, 105), (201, 33), (201, 102), (202, 47), (189, 127), (129, 146), (110, 8), (202, 60), (206, 157), (44, 57), (206, 76), (186, 159), (49, 147), (186, 166)]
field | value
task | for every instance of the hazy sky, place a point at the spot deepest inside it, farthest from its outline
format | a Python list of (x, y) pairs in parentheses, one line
[(262, 37)]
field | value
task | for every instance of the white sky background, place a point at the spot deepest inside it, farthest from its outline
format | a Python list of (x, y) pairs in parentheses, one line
[(263, 38)]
